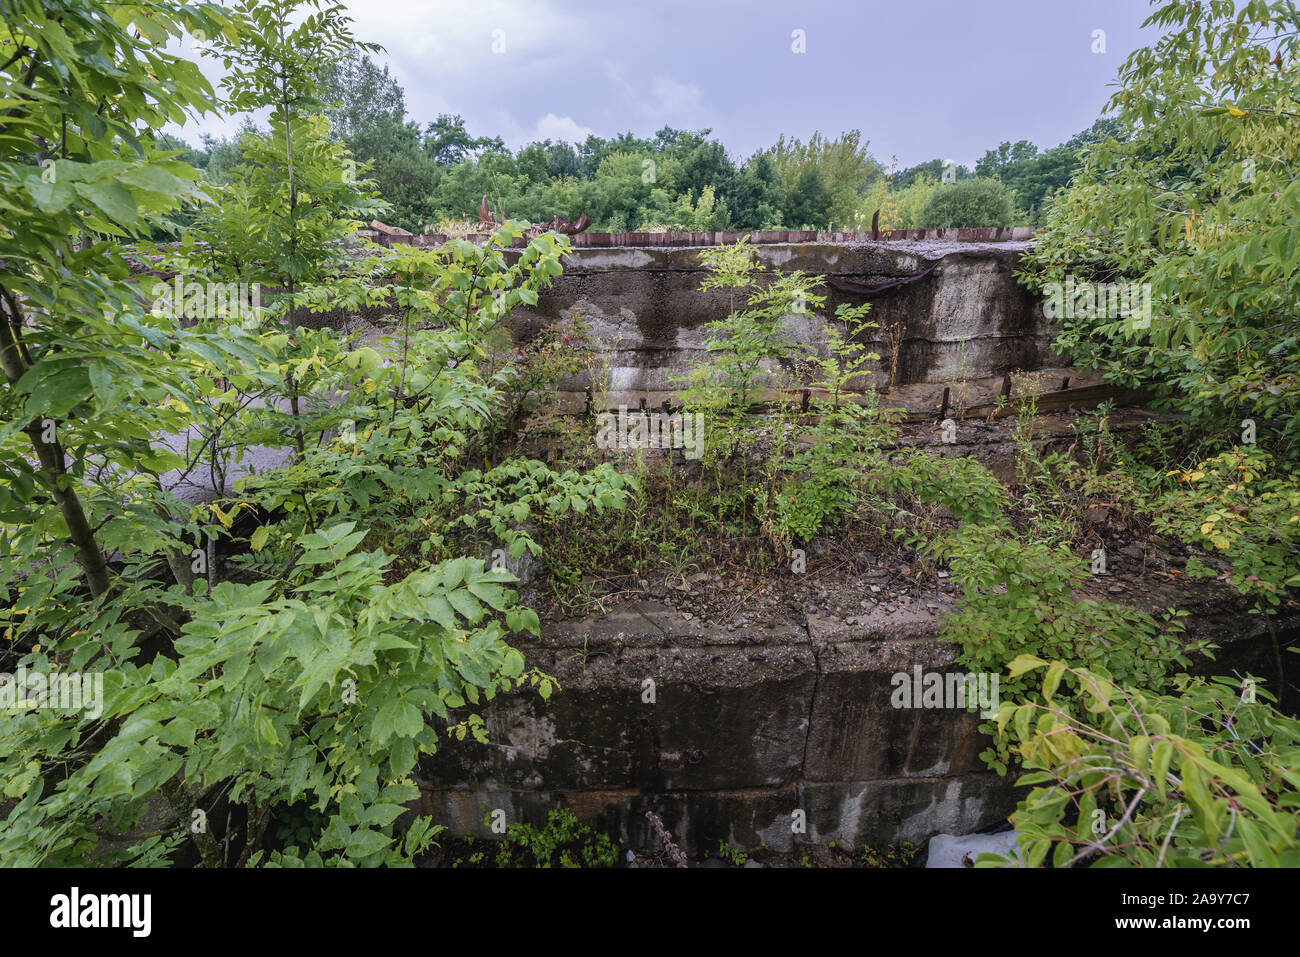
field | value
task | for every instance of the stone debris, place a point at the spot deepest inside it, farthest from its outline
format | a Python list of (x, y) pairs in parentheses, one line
[(950, 850)]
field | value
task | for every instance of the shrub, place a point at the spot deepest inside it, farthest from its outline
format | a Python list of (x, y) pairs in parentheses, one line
[(968, 202)]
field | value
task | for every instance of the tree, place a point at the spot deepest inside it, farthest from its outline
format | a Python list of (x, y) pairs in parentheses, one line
[(295, 192), (1105, 128), (360, 96), (224, 154), (913, 199), (88, 112), (992, 163), (615, 196), (703, 165), (449, 143), (807, 201), (845, 171), (367, 111), (1200, 779), (756, 201), (533, 163), (1035, 176), (317, 678), (1193, 204), (595, 149), (935, 169), (561, 159), (1202, 185), (1034, 180)]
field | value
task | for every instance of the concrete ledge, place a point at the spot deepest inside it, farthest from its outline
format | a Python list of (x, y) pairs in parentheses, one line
[(994, 234), (856, 812)]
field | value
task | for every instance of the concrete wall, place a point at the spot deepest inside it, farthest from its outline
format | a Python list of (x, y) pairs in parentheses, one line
[(752, 722), (968, 320), (747, 726)]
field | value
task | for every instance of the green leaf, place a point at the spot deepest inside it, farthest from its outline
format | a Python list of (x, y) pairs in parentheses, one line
[(513, 666), (1163, 755), (465, 605), (112, 199), (365, 843)]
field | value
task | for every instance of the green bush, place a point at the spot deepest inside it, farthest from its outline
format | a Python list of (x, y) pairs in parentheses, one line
[(563, 842), (969, 202)]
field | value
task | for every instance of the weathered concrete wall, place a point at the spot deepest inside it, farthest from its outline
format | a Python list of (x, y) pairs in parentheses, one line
[(968, 320), (747, 726), (965, 325), (753, 721)]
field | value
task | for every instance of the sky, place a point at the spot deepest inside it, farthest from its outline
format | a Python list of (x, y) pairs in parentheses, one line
[(921, 79)]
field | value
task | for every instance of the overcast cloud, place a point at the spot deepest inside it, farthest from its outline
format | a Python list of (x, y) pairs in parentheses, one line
[(919, 78)]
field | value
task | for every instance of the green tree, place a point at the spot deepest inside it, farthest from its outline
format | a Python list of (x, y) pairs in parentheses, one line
[(615, 196), (449, 143), (807, 201), (86, 96), (304, 692), (1193, 195), (913, 199), (1035, 180), (756, 201), (224, 154), (1204, 186), (367, 111), (845, 172), (360, 96), (1035, 176), (1203, 778), (934, 169), (295, 193), (561, 159), (706, 164), (992, 163)]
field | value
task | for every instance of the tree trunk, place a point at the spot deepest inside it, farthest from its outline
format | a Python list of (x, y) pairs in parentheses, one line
[(51, 457)]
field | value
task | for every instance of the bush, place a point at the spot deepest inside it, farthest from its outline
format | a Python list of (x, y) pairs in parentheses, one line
[(971, 202)]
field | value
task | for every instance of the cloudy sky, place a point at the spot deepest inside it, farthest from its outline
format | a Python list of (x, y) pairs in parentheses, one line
[(920, 78)]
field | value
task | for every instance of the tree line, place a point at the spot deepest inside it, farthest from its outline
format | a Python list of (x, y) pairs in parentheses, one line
[(435, 175)]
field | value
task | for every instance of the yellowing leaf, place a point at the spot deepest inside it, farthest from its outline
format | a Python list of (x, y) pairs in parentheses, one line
[(1022, 663), (258, 540)]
